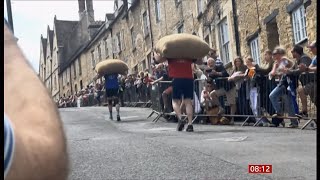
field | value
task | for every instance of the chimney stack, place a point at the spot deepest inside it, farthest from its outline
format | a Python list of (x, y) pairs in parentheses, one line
[(82, 8), (90, 11)]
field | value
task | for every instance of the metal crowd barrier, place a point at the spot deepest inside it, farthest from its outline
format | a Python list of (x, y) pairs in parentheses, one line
[(157, 101), (264, 107), (137, 97)]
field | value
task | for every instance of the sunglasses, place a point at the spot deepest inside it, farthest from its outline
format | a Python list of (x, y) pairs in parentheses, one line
[(275, 53)]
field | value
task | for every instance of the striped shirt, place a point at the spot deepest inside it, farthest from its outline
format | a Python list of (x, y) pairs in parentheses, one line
[(8, 145)]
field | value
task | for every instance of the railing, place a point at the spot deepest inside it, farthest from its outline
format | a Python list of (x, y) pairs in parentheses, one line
[(245, 111), (252, 103)]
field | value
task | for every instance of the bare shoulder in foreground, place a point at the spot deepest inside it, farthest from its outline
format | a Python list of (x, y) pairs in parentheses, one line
[(37, 145)]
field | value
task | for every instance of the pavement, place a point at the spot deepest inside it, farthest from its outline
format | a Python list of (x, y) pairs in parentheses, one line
[(137, 148)]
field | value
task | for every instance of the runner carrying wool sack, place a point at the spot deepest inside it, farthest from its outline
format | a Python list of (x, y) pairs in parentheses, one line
[(184, 46), (111, 66)]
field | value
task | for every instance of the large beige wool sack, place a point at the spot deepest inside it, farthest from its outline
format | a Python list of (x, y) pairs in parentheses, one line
[(111, 66), (183, 45)]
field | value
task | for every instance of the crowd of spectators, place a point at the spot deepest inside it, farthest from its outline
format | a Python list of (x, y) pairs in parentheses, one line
[(266, 88)]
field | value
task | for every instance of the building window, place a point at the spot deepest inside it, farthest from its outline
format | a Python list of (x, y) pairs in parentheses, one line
[(177, 2), (122, 42), (99, 52), (106, 49), (299, 24), (74, 70), (93, 62), (132, 38), (135, 69), (76, 88), (64, 78), (149, 62), (115, 44), (118, 42), (55, 82), (145, 24), (79, 65), (206, 39), (81, 85), (157, 10), (44, 73), (68, 75), (144, 66), (224, 41), (200, 6), (255, 51), (180, 29)]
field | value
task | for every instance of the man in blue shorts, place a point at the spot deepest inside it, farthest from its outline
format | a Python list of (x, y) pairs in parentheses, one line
[(112, 92)]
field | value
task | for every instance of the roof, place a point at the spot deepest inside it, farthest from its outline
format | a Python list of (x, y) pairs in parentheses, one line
[(44, 46), (51, 41), (96, 24), (110, 16), (63, 30), (97, 35)]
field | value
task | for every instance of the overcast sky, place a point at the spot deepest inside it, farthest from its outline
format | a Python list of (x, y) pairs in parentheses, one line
[(31, 18)]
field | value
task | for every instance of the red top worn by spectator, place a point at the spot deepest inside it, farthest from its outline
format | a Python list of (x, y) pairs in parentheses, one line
[(180, 68)]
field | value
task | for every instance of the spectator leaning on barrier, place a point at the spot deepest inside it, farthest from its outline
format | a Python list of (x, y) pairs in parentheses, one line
[(213, 54), (294, 73), (226, 86), (238, 71), (311, 87), (166, 89), (207, 103), (253, 86), (266, 86), (129, 88), (281, 89)]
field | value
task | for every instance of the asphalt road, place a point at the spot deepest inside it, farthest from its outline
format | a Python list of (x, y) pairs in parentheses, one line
[(137, 148)]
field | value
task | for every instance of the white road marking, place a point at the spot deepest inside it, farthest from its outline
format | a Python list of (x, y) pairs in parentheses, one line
[(106, 117), (230, 139), (162, 129), (128, 117)]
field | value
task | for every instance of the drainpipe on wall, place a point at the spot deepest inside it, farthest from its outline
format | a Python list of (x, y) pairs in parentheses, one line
[(151, 36), (235, 24)]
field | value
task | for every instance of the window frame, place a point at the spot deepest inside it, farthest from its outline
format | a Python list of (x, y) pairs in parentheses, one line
[(93, 62), (157, 10), (224, 39), (99, 52), (255, 50), (180, 28), (132, 39), (145, 22), (299, 28)]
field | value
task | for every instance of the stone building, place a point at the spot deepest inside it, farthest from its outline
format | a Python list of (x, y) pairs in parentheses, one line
[(71, 50), (266, 24), (57, 61)]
